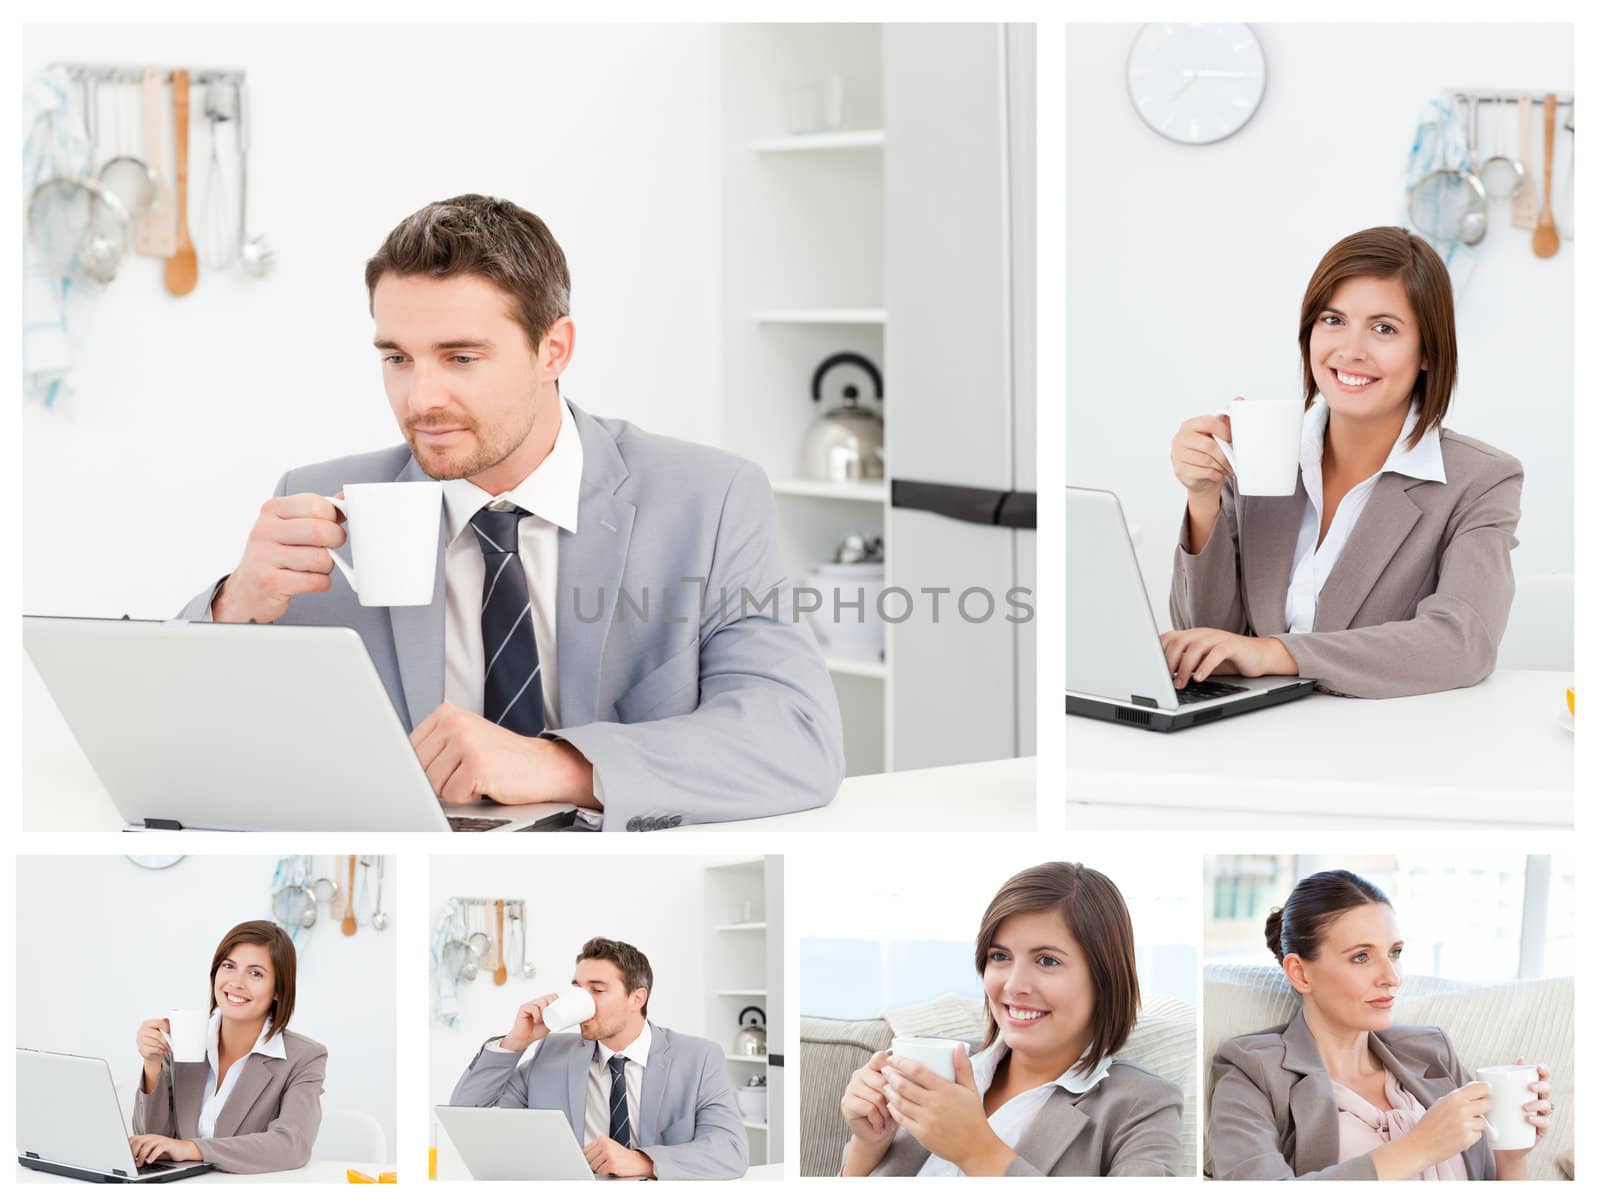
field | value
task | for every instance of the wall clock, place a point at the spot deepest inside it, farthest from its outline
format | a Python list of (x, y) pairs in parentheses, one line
[(1196, 84)]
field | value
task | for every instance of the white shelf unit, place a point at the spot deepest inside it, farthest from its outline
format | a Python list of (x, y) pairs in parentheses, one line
[(739, 951), (803, 279)]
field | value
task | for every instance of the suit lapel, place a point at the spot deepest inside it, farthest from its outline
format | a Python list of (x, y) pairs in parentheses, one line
[(418, 630), (578, 1086), (256, 1073), (188, 1094), (589, 573), (653, 1087), (1311, 1106), (1052, 1131), (1384, 525), (1269, 527)]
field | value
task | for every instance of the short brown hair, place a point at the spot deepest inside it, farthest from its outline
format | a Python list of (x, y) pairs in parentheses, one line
[(1389, 252), (281, 948), (1098, 920), (493, 239), (629, 961)]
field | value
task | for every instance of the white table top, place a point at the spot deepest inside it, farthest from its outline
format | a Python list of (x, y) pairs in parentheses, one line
[(1499, 753), (312, 1172), (62, 792)]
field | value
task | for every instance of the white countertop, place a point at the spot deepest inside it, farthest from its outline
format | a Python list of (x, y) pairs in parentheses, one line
[(312, 1172), (1499, 753)]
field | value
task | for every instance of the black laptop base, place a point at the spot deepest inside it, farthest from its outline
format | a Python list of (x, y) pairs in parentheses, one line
[(86, 1176), (1161, 721)]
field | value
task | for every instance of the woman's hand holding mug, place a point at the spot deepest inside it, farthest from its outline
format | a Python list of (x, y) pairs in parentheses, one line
[(152, 1042), (866, 1112), (1455, 1122), (528, 1026), (1540, 1112), (1202, 468), (946, 1118)]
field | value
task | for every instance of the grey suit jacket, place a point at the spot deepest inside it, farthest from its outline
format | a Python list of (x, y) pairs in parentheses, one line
[(1418, 599), (271, 1118), (1130, 1123), (689, 1125), (1271, 1113), (691, 707)]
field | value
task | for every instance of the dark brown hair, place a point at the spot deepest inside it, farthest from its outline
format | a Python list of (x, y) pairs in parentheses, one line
[(1098, 920), (629, 961), (1298, 926), (281, 949), (1389, 252), (493, 239)]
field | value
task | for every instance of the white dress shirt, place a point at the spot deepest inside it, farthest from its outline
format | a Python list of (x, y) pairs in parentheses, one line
[(216, 1098), (1313, 563), (1010, 1121), (597, 1098), (550, 495)]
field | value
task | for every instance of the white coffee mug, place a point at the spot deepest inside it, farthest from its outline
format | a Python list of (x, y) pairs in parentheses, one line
[(1265, 451), (1509, 1089), (396, 525), (937, 1054), (187, 1030), (572, 1007)]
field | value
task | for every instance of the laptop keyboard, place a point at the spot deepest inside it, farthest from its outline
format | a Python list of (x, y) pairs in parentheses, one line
[(474, 824), (1199, 690)]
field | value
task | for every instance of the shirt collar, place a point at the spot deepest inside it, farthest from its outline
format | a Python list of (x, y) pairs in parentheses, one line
[(986, 1061), (1425, 460), (637, 1050), (268, 1047), (550, 491)]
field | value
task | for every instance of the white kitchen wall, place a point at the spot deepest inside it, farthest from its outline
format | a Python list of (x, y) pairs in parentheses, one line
[(653, 902), (104, 945), (188, 409), (1186, 264)]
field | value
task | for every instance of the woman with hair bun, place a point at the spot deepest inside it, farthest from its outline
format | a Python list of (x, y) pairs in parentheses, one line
[(1388, 572), (1341, 1092), (255, 1103), (1045, 1095)]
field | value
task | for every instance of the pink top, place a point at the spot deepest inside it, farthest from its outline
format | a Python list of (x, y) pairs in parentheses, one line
[(1363, 1128)]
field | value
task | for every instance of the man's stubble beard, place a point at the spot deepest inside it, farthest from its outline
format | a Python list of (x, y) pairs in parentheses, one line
[(501, 443)]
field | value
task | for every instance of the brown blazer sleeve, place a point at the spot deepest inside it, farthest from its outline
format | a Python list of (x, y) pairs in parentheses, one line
[(1454, 637), (1206, 590), (154, 1113), (286, 1142)]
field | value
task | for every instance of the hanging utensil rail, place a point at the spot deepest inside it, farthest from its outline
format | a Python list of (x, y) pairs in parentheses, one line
[(117, 73)]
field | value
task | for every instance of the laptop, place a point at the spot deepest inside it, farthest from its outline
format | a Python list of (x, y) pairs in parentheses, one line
[(247, 727), (514, 1143), (1116, 668), (69, 1122)]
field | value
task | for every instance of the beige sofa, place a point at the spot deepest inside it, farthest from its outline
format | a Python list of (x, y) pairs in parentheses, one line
[(831, 1050), (1487, 1024)]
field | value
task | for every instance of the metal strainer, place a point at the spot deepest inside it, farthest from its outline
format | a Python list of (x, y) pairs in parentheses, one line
[(79, 227)]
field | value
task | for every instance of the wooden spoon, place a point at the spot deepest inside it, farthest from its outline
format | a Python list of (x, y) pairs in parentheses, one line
[(1546, 240), (348, 925), (183, 269), (500, 942)]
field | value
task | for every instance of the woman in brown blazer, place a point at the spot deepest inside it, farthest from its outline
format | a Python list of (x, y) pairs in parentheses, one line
[(255, 1103), (1044, 1095), (1388, 572), (1341, 1092)]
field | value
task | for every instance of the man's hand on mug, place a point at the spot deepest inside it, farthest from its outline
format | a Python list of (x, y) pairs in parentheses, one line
[(528, 1026), (1197, 460), (286, 555), (466, 756)]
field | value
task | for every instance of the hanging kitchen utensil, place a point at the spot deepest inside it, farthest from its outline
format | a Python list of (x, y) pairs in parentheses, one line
[(1475, 223), (380, 919), (363, 898), (845, 443), (1502, 173), (127, 175), (294, 907), (219, 236), (348, 926), (500, 943), (183, 270), (255, 252), (453, 958), (79, 227), (486, 962), (478, 939), (1525, 203), (327, 892), (1447, 205), (751, 1040), (156, 234), (1546, 241)]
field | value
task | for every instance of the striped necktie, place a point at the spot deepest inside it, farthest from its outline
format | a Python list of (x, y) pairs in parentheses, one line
[(512, 694), (619, 1102)]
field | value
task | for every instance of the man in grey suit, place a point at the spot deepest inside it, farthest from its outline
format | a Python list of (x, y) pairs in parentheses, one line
[(643, 1102), (609, 626)]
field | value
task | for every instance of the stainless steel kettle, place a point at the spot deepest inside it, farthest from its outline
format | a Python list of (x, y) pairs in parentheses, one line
[(845, 443), (752, 1037)]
